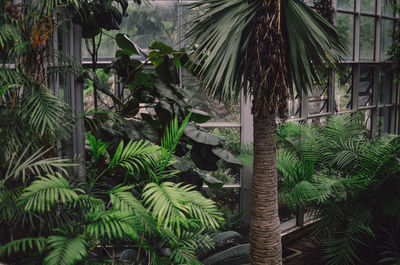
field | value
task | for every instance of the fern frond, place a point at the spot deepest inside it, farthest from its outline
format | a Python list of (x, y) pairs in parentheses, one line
[(65, 250), (46, 114), (97, 146), (169, 141), (135, 156), (122, 199), (113, 225), (166, 203), (45, 192), (9, 32), (23, 245), (201, 208), (35, 164)]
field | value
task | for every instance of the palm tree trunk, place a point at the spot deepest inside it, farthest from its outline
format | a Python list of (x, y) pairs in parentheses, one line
[(265, 234)]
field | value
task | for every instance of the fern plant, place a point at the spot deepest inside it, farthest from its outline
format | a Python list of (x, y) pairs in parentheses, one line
[(165, 223)]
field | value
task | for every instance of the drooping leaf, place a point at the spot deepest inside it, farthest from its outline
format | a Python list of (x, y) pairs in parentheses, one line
[(226, 156), (199, 136), (200, 116)]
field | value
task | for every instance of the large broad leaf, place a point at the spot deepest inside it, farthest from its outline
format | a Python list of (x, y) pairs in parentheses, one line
[(202, 137), (131, 108), (182, 164), (199, 116), (107, 17), (90, 28), (203, 157), (163, 110), (149, 132), (211, 181), (226, 156), (126, 44)]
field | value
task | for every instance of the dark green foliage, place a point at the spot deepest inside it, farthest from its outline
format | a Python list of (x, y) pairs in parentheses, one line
[(163, 223), (155, 98), (350, 180)]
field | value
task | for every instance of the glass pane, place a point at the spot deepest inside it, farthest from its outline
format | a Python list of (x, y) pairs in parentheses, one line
[(384, 120), (318, 98), (367, 37), (153, 21), (345, 4), (199, 99), (107, 46), (318, 101), (368, 6), (385, 83), (367, 118), (387, 8), (105, 102), (386, 38), (365, 86), (343, 89), (294, 106), (345, 27)]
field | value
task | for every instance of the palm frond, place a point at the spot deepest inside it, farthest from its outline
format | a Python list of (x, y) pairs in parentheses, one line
[(169, 141), (201, 208), (184, 247), (166, 204), (98, 147), (313, 42), (47, 191), (172, 205), (135, 156), (23, 244), (65, 250), (9, 32), (122, 199), (35, 164), (47, 114), (222, 33), (113, 225)]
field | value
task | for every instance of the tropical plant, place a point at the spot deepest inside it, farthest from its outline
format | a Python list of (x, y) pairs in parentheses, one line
[(257, 46), (164, 224), (155, 96), (350, 187)]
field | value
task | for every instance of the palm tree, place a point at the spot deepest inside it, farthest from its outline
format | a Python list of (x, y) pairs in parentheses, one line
[(269, 48)]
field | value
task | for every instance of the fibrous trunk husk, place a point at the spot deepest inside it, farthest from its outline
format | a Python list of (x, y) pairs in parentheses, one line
[(270, 92), (269, 73), (265, 233)]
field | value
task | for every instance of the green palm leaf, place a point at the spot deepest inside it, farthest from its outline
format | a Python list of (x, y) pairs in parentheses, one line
[(113, 225), (169, 141), (47, 191), (23, 245), (135, 156), (122, 199), (46, 113), (65, 250), (166, 204), (222, 33), (35, 164)]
